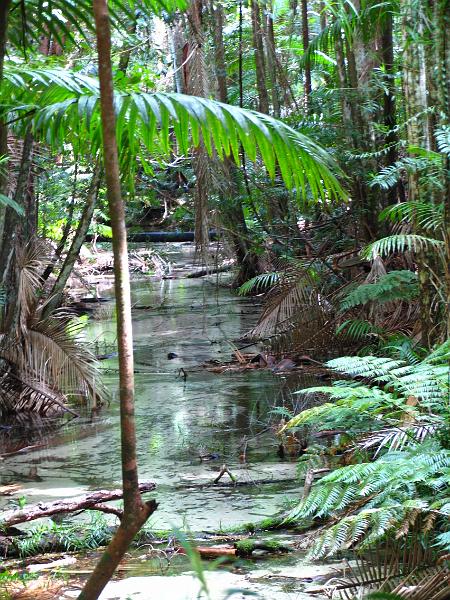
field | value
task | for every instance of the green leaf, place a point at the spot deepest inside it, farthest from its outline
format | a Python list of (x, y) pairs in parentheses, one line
[(7, 201)]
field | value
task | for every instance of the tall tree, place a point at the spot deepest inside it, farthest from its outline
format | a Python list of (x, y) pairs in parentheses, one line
[(136, 511), (305, 40), (260, 63)]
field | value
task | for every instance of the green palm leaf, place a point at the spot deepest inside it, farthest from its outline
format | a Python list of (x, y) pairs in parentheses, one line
[(64, 19), (400, 243), (64, 107)]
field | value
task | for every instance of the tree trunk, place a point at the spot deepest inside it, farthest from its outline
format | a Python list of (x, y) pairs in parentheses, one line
[(272, 61), (260, 67), (418, 134), (439, 28), (172, 36), (125, 55), (197, 83), (136, 512), (4, 13), (219, 51), (389, 105), (232, 213), (89, 501), (16, 235), (66, 231), (305, 39), (78, 240)]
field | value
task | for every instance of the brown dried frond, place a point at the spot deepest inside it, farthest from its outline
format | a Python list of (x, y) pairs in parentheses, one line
[(404, 567), (44, 360)]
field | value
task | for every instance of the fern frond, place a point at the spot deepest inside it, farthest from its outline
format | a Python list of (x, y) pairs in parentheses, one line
[(397, 438), (442, 136), (356, 329), (396, 285)]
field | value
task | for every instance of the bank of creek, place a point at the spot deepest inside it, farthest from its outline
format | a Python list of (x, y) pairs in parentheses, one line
[(190, 422)]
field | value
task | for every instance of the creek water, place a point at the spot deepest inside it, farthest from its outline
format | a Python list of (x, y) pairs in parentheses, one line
[(227, 416)]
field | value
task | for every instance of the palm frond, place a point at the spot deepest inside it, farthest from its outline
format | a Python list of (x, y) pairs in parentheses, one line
[(258, 284), (426, 215), (294, 294), (65, 19), (401, 243), (46, 358), (149, 124)]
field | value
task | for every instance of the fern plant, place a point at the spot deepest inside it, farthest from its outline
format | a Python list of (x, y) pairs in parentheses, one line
[(397, 414), (396, 285)]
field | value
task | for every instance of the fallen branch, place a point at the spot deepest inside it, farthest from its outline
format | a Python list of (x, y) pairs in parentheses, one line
[(244, 547), (225, 471), (309, 479), (92, 501)]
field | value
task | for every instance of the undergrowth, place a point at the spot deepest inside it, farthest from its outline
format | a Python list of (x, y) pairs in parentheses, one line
[(394, 464)]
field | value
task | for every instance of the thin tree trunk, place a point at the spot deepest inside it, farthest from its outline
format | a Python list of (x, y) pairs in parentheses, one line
[(197, 83), (66, 231), (272, 61), (241, 55), (4, 13), (260, 67), (305, 40), (172, 31), (441, 23), (136, 512), (323, 15), (125, 55), (15, 236), (219, 50), (78, 240), (415, 94), (232, 214), (389, 108)]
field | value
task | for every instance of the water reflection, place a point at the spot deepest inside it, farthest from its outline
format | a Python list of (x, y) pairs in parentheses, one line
[(177, 420)]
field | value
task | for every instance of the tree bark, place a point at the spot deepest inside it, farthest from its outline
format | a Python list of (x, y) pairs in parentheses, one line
[(219, 51), (4, 13), (272, 61), (418, 134), (125, 55), (136, 512), (389, 105), (16, 234), (260, 67), (441, 23), (305, 40)]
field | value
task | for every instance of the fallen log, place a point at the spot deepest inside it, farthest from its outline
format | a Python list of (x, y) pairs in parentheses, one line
[(212, 271), (92, 501), (243, 548), (157, 236), (236, 482)]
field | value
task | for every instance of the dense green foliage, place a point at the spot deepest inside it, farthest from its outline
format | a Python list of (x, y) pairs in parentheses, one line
[(315, 138)]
